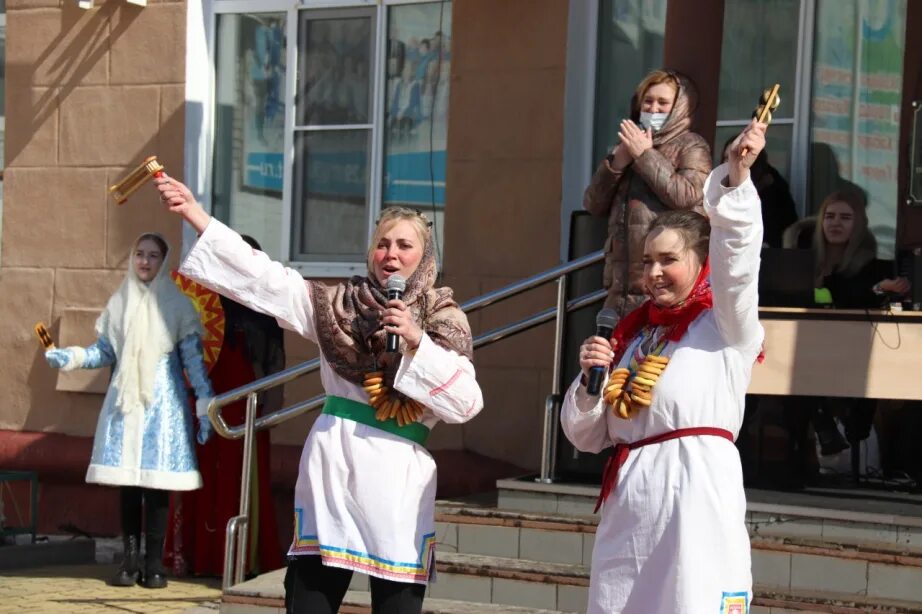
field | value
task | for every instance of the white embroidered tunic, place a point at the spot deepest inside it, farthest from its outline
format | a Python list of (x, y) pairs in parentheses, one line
[(672, 537), (365, 498)]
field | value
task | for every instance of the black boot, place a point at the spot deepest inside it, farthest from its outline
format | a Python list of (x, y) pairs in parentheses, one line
[(156, 506), (129, 572), (154, 573)]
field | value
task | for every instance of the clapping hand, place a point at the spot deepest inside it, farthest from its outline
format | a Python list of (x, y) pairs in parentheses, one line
[(635, 140)]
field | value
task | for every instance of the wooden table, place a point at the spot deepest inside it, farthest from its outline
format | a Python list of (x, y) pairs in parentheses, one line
[(840, 352)]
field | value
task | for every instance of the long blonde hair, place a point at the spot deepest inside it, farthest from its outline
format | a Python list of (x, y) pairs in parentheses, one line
[(861, 248)]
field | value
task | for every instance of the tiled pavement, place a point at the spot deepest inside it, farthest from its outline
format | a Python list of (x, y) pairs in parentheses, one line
[(83, 588)]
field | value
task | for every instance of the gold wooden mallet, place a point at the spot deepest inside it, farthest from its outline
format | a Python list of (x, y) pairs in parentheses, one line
[(147, 170), (763, 113), (44, 336)]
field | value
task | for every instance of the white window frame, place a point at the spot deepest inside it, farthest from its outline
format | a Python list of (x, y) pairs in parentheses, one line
[(200, 139)]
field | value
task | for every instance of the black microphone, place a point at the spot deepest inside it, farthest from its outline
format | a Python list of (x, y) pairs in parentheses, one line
[(395, 287), (604, 327)]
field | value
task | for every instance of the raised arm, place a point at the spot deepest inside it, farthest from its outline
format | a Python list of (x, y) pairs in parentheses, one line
[(732, 204), (222, 261)]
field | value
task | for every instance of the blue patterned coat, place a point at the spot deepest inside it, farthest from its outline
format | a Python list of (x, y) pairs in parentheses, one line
[(154, 448)]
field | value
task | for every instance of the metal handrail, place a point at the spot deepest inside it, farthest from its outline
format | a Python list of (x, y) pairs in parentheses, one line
[(237, 527), (282, 377), (534, 281)]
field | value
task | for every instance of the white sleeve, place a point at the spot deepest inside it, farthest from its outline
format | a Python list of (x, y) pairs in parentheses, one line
[(584, 420), (735, 254), (222, 261), (442, 380)]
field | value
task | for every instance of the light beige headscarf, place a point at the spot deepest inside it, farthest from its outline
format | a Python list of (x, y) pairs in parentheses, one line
[(144, 322)]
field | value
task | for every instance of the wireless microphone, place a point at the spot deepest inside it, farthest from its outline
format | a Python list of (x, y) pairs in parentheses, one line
[(395, 287), (605, 325)]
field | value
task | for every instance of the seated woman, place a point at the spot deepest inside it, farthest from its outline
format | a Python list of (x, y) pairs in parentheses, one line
[(846, 256), (848, 275)]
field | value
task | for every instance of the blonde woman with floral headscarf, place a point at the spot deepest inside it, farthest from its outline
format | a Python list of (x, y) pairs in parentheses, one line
[(149, 333), (365, 496)]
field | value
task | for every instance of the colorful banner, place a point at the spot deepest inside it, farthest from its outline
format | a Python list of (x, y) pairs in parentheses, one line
[(208, 305)]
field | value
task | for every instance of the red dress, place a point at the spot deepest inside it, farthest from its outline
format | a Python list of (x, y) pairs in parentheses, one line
[(198, 519)]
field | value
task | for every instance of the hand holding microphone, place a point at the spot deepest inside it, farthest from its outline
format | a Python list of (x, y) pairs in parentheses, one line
[(596, 352), (398, 319)]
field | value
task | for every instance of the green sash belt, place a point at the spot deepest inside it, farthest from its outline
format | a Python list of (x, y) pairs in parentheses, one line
[(365, 414)]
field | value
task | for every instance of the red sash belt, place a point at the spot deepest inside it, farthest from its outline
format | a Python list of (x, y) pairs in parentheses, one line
[(619, 455)]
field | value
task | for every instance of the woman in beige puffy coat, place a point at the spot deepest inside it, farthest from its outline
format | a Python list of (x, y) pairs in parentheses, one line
[(659, 164)]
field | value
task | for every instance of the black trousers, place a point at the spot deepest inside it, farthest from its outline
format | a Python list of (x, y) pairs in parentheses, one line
[(314, 588)]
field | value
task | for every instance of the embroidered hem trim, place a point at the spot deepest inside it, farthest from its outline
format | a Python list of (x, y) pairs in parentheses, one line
[(417, 572)]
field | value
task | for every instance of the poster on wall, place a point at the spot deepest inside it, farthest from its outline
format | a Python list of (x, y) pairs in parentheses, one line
[(857, 89), (263, 76)]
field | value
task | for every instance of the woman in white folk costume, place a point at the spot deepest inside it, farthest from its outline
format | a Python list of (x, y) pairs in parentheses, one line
[(672, 538), (149, 333), (365, 495)]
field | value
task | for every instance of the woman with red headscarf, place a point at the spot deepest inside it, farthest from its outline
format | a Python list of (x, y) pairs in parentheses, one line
[(672, 538)]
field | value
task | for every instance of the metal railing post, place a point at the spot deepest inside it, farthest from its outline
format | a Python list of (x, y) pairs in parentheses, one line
[(552, 405), (238, 526)]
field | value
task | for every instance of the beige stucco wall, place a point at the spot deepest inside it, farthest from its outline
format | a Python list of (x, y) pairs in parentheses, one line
[(502, 219), (89, 95)]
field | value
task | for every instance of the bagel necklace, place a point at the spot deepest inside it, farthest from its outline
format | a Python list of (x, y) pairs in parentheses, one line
[(389, 403), (631, 388)]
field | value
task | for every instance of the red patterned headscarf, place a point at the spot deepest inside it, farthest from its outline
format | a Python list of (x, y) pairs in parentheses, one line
[(675, 319)]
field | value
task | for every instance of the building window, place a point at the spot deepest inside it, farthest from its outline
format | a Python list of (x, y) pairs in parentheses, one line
[(845, 63), (249, 147), (416, 109), (631, 37), (770, 29), (855, 106), (325, 116)]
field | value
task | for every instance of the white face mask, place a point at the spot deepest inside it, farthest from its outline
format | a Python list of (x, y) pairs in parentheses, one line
[(654, 121)]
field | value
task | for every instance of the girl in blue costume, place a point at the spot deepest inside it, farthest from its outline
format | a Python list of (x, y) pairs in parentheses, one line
[(148, 333)]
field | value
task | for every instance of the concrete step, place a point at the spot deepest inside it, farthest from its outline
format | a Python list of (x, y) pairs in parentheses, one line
[(465, 583), (472, 583), (788, 553), (766, 517), (769, 600), (359, 602)]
